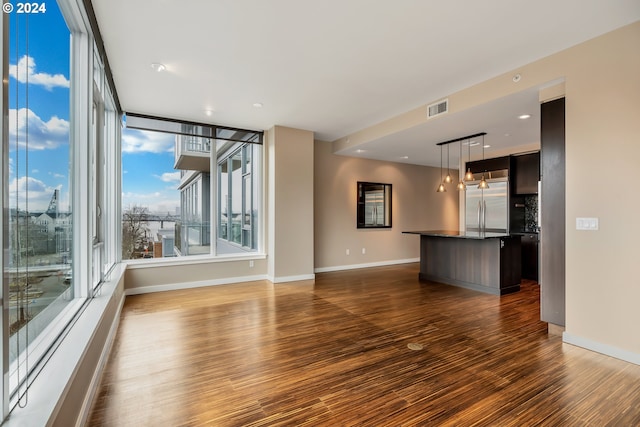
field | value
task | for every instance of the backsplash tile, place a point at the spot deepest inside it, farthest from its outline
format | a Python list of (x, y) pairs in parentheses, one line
[(531, 213)]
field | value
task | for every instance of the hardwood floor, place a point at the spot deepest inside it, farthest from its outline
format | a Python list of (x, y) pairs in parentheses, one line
[(334, 353)]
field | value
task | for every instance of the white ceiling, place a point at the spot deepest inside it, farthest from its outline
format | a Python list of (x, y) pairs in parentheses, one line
[(339, 66)]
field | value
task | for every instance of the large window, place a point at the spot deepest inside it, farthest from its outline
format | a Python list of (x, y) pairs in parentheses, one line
[(60, 181), (40, 219), (170, 197)]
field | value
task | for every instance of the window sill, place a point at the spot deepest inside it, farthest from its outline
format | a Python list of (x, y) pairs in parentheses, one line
[(59, 394)]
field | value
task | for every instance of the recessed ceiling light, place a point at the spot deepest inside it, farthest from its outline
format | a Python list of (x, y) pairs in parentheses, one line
[(208, 112), (360, 151), (158, 67), (257, 104), (405, 157), (473, 143), (524, 116), (487, 146), (507, 134)]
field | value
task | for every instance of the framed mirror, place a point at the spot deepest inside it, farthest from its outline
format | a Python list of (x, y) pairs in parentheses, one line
[(374, 205)]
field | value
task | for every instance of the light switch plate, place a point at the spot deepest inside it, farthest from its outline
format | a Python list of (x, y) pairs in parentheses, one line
[(589, 224)]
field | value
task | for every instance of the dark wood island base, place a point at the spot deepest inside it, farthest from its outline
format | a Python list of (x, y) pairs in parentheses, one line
[(485, 262)]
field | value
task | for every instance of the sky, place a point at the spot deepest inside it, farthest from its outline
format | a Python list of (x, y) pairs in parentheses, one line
[(46, 114), (148, 176)]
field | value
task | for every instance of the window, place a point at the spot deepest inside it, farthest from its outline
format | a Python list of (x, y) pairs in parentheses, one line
[(38, 156), (59, 211), (238, 201), (168, 189), (151, 204)]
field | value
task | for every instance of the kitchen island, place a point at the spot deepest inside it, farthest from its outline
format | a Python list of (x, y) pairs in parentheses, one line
[(482, 261)]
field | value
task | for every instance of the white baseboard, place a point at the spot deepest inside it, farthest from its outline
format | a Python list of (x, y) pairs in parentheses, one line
[(189, 285), (285, 279), (367, 265), (605, 349)]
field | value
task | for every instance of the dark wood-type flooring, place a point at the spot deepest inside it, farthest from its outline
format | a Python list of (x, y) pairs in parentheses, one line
[(334, 352)]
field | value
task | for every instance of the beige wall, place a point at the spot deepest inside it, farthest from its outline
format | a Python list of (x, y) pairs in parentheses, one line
[(290, 204), (415, 206), (603, 139), (602, 149), (146, 277)]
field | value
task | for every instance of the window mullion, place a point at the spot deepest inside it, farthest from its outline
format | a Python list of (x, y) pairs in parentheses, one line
[(4, 207), (80, 134), (213, 196)]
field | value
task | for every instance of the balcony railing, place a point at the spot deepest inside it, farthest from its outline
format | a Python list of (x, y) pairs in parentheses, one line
[(196, 144), (192, 152), (193, 238)]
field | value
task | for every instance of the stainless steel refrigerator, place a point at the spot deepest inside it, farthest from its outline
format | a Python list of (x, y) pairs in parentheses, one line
[(487, 210)]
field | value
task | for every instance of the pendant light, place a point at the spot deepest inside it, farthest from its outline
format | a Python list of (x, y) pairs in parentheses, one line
[(448, 178), (468, 176), (483, 182), (461, 185), (441, 188)]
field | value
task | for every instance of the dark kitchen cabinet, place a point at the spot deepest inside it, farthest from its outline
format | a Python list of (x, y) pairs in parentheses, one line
[(526, 173), (552, 232), (487, 165)]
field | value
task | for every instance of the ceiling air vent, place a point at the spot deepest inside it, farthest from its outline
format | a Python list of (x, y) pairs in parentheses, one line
[(438, 108)]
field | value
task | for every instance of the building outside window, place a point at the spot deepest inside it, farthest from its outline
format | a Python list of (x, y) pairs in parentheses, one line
[(168, 191), (238, 172), (193, 227)]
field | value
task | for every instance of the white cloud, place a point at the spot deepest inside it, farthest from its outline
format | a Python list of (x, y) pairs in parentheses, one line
[(156, 202), (42, 135), (39, 193), (137, 141), (35, 170), (169, 176), (140, 196), (26, 69)]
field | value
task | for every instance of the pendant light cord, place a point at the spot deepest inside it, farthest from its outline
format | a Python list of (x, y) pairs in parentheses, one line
[(441, 164)]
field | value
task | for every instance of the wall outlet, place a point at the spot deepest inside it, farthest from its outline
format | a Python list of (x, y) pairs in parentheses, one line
[(251, 263), (590, 224), (364, 251), (348, 252)]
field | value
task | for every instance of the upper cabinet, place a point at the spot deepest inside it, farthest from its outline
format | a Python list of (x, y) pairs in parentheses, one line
[(525, 173), (489, 165)]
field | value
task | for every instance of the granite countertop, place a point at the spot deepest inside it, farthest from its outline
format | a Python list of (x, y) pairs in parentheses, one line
[(523, 233), (459, 234)]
